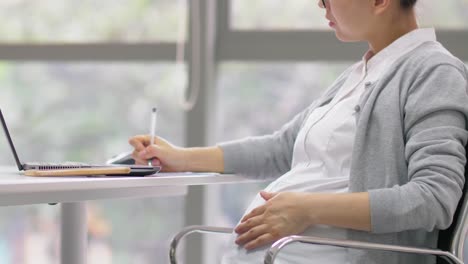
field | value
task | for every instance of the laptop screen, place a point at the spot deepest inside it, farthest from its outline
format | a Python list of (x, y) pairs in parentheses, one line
[(10, 142)]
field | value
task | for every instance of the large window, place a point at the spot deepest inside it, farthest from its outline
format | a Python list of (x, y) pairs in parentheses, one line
[(78, 78), (63, 104)]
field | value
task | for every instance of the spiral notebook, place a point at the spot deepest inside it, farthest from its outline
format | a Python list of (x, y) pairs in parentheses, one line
[(75, 168)]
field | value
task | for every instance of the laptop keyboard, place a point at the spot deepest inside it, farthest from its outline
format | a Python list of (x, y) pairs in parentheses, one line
[(56, 166)]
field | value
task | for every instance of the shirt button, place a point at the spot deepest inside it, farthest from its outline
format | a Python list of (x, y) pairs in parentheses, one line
[(357, 108)]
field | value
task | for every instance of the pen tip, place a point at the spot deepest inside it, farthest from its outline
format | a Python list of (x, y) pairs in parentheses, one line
[(155, 109)]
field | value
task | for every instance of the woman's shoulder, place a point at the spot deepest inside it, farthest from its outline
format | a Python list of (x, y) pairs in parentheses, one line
[(429, 55)]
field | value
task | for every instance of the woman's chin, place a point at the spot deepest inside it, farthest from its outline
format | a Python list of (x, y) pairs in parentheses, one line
[(343, 37)]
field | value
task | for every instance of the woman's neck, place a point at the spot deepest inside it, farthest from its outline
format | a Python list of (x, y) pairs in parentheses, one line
[(387, 33)]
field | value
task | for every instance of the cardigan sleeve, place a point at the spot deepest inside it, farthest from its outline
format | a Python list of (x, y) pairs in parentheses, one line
[(435, 115)]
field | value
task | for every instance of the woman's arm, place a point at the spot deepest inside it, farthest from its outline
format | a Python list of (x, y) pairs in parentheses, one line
[(434, 125)]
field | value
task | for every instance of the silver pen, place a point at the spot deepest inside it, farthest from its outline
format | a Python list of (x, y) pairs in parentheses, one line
[(152, 130)]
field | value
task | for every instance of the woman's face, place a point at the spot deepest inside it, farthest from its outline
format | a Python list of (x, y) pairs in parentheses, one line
[(351, 19)]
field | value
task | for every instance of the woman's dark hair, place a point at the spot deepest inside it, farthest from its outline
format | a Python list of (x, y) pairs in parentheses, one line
[(407, 4)]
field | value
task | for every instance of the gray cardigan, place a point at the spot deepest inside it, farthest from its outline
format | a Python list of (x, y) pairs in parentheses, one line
[(408, 153)]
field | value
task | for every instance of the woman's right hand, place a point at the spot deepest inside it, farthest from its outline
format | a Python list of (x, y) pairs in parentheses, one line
[(161, 153)]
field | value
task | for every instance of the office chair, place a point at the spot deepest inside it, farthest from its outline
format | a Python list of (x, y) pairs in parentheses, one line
[(450, 243)]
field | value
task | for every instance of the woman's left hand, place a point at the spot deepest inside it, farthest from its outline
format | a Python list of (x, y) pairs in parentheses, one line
[(282, 215)]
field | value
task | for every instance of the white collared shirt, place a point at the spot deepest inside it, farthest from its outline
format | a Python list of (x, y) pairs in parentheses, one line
[(322, 153)]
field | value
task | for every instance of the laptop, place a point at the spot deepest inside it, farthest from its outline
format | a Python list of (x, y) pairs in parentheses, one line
[(135, 170)]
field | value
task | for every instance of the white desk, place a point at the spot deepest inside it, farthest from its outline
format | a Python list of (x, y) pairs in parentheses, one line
[(72, 192)]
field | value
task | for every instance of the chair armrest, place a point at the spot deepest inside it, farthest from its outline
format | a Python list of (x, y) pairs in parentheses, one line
[(193, 229), (278, 245)]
